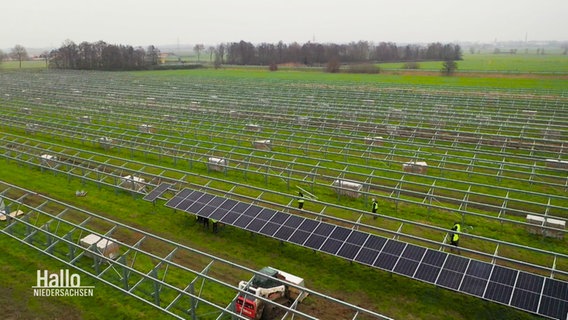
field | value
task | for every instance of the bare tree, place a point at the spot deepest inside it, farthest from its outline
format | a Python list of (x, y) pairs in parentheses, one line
[(333, 65), (197, 48), (2, 56), (45, 56), (19, 53), (152, 55), (211, 50), (220, 52)]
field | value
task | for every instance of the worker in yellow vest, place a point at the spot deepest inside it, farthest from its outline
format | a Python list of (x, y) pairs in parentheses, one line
[(300, 200), (374, 207), (454, 236)]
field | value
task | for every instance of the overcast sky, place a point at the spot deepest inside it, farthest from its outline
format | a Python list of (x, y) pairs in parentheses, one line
[(48, 23)]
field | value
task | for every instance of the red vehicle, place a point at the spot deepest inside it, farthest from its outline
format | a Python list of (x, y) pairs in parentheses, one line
[(271, 287)]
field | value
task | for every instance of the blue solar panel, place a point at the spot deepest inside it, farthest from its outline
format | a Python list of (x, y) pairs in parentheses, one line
[(504, 275), (230, 217), (315, 241), (357, 237), (218, 214), (498, 292), (553, 302), (279, 218), (385, 261), (309, 225), (173, 202), (525, 300), (529, 282), (293, 222), (370, 250), (434, 258), (283, 233), (526, 291), (408, 262), (340, 233), (255, 225), (331, 246), (206, 211), (349, 251), (299, 237), (242, 221), (240, 207), (413, 252), (269, 229), (252, 211), (427, 272), (157, 192), (389, 255), (229, 204), (406, 267), (324, 229), (375, 242), (195, 195), (473, 285), (266, 214), (555, 288)]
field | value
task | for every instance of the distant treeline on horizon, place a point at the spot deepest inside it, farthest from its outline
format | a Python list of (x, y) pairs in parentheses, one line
[(103, 56)]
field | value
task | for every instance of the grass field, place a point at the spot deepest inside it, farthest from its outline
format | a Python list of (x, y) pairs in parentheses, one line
[(500, 63), (392, 295)]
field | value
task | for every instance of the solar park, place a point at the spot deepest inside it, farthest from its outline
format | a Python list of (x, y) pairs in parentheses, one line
[(239, 156)]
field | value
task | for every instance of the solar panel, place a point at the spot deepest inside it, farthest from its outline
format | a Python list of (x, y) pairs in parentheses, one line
[(230, 217), (452, 272), (269, 229), (331, 246), (498, 292), (389, 255), (315, 241), (370, 250), (526, 291), (261, 219), (283, 233), (299, 237), (349, 251), (242, 221), (157, 192), (408, 262), (551, 303), (173, 202)]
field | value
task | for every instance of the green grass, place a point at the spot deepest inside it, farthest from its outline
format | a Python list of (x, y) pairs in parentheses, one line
[(499, 63), (364, 80), (26, 65), (395, 296), (383, 292)]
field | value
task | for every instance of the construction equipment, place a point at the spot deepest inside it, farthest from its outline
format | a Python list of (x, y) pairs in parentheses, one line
[(270, 285)]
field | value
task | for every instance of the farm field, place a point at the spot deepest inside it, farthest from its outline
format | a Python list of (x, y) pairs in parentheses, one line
[(553, 64), (488, 144)]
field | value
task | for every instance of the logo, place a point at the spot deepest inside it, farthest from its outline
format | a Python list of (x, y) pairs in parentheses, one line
[(62, 284)]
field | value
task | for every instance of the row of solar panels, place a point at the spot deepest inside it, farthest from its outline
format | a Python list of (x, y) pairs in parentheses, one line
[(533, 293)]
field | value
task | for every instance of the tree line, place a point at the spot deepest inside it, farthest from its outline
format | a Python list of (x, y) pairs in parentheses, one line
[(102, 56), (311, 53)]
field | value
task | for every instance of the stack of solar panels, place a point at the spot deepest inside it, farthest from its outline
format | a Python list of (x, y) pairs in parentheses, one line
[(530, 292)]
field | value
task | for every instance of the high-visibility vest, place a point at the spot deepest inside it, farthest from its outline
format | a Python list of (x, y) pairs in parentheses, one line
[(457, 228), (213, 220), (300, 200), (375, 205)]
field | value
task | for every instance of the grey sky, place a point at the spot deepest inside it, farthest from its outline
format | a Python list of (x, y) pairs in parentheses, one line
[(47, 23)]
